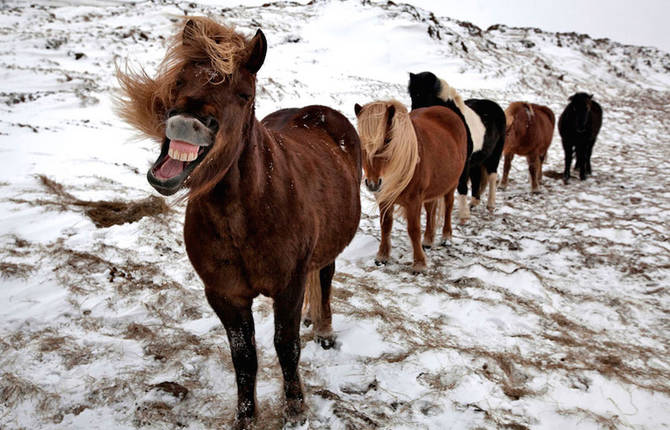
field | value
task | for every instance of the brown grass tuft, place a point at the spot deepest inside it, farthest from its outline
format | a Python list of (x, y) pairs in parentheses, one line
[(103, 213)]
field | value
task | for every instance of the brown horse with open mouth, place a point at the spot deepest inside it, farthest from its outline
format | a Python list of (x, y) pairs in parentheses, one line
[(270, 204)]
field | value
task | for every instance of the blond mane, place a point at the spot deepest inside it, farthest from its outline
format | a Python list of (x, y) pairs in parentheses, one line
[(145, 100), (401, 154), (472, 120)]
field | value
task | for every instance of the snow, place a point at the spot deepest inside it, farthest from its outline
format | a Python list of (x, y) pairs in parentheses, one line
[(549, 313)]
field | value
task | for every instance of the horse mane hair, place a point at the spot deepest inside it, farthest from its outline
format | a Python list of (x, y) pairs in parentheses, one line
[(510, 112), (145, 100), (449, 93), (401, 154)]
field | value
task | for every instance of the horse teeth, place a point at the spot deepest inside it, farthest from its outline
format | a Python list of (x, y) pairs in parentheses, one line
[(192, 156), (172, 153)]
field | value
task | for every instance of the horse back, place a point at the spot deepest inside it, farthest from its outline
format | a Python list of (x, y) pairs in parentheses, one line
[(320, 151), (544, 126), (442, 140)]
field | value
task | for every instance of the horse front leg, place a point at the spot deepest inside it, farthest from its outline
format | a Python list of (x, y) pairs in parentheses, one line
[(567, 150), (463, 208), (386, 222), (507, 165), (287, 306), (448, 208), (589, 151), (414, 231), (429, 235), (238, 321), (581, 160)]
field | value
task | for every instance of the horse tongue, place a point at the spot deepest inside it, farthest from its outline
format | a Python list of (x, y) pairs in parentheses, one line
[(170, 168)]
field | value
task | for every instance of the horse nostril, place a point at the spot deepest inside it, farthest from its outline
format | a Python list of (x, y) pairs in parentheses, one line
[(379, 184)]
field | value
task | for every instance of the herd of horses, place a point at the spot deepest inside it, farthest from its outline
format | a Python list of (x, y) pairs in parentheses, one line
[(272, 203)]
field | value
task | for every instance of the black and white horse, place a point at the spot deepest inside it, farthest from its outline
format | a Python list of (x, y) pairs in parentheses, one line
[(579, 125), (485, 121)]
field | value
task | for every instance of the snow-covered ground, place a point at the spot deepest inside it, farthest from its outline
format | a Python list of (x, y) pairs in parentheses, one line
[(550, 313)]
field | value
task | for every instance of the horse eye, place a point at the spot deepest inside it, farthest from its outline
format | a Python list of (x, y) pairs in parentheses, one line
[(244, 96)]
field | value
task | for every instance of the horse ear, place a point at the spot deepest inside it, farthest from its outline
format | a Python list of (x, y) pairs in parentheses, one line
[(411, 76), (357, 109), (188, 32), (590, 96), (259, 47)]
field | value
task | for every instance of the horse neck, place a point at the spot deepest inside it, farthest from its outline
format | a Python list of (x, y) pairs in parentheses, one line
[(244, 168)]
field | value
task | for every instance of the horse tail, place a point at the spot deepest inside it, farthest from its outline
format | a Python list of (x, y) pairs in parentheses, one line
[(313, 295)]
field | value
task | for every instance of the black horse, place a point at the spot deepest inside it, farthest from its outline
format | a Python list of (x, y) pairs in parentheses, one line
[(579, 125), (426, 89)]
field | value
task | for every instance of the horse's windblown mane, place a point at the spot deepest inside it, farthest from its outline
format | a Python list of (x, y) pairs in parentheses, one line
[(401, 153), (448, 93), (145, 99)]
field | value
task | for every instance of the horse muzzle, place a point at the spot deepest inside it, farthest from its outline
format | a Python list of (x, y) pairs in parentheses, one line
[(191, 130), (373, 186), (187, 141)]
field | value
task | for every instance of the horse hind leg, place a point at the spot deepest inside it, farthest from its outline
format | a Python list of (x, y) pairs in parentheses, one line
[(476, 183), (318, 291), (429, 235), (492, 180), (533, 169), (238, 321), (414, 231), (287, 306), (507, 165)]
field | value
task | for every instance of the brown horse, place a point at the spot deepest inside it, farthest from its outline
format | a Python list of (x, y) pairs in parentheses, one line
[(270, 204), (411, 159), (530, 128)]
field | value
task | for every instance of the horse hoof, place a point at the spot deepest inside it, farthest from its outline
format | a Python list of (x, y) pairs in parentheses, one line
[(243, 423), (474, 202), (307, 322), (326, 342), (418, 268), (490, 208), (295, 411), (463, 221), (426, 246), (380, 262)]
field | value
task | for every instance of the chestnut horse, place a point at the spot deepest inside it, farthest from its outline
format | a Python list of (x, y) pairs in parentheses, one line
[(270, 204), (530, 128), (411, 159)]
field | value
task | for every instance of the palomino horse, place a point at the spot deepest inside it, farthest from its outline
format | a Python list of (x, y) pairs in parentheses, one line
[(530, 128), (411, 159), (579, 125), (486, 124), (270, 204)]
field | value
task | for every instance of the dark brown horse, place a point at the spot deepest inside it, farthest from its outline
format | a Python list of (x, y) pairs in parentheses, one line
[(270, 204), (530, 128), (411, 159)]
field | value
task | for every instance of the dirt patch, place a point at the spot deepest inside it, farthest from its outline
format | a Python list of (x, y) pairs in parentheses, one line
[(103, 213)]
